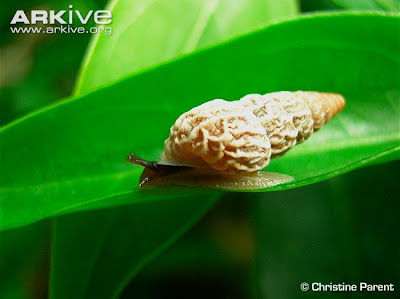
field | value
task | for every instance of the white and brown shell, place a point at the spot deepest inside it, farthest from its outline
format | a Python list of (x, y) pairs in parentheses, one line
[(237, 138)]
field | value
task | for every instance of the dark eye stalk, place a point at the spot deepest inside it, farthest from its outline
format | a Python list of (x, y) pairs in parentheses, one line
[(153, 170)]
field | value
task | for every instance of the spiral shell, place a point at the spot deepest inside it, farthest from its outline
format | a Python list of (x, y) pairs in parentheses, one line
[(244, 135)]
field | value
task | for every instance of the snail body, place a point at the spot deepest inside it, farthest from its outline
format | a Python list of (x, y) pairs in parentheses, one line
[(233, 140)]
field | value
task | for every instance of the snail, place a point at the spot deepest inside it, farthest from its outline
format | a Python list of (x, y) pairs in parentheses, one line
[(225, 144)]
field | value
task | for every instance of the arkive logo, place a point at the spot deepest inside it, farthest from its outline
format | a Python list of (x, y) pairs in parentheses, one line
[(71, 18), (100, 17)]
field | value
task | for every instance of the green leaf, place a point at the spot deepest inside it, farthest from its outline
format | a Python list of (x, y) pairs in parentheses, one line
[(78, 147), (384, 5), (149, 32), (123, 240)]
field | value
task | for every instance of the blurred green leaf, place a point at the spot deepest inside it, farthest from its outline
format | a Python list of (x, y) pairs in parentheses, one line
[(150, 32), (46, 79), (116, 244), (314, 5), (384, 5), (340, 230), (78, 147), (24, 261), (32, 73)]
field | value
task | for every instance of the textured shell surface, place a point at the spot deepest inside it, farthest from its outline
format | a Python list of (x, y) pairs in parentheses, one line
[(243, 135)]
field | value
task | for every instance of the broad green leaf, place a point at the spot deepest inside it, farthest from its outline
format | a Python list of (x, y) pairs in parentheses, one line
[(149, 32), (78, 147), (135, 50), (384, 5)]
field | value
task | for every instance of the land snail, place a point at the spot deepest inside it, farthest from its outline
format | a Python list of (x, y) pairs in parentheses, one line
[(225, 144)]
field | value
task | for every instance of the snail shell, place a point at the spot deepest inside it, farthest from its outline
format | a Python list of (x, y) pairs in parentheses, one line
[(244, 135), (224, 144)]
